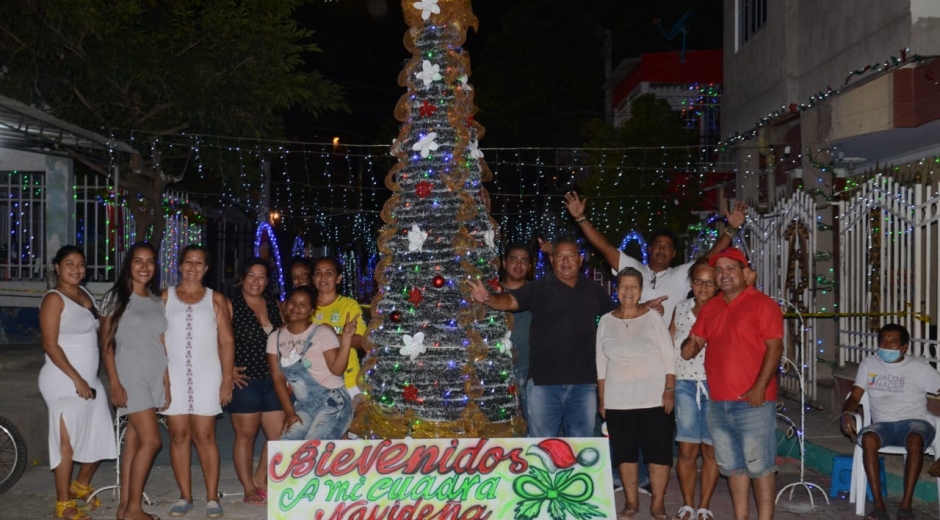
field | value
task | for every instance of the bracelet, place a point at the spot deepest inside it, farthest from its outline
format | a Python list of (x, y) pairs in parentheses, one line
[(669, 389), (580, 220), (731, 231)]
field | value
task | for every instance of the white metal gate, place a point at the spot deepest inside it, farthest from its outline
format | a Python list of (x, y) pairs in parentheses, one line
[(889, 260), (780, 246)]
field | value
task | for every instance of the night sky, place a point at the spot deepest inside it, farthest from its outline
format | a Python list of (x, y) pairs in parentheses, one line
[(363, 52)]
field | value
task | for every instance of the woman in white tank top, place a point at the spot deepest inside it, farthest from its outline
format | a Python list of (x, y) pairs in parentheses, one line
[(80, 424), (201, 351)]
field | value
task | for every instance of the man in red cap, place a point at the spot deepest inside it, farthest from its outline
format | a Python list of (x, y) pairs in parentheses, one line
[(744, 332)]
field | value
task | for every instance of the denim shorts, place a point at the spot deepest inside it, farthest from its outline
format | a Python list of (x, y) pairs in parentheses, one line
[(895, 433), (691, 411), (744, 437), (258, 396)]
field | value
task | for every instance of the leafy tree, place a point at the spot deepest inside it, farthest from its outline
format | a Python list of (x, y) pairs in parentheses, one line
[(161, 67), (639, 188)]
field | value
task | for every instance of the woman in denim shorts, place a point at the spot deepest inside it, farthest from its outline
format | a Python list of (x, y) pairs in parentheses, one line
[(254, 406), (692, 402)]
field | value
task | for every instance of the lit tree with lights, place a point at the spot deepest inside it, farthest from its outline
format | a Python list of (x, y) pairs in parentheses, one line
[(439, 365)]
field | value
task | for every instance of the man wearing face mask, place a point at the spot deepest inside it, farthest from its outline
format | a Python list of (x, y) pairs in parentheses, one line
[(896, 384)]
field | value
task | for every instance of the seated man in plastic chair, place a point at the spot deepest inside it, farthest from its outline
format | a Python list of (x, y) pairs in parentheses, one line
[(897, 385)]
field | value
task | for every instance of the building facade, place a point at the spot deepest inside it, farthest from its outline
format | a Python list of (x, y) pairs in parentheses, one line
[(826, 99)]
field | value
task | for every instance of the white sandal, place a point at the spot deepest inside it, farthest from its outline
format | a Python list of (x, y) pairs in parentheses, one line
[(683, 511), (704, 514)]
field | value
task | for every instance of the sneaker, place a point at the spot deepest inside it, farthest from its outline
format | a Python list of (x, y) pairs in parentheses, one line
[(214, 509), (181, 507)]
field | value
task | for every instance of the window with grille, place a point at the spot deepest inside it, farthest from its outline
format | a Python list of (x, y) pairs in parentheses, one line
[(752, 16)]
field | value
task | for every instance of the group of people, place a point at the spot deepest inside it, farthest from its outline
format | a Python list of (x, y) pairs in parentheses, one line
[(644, 370), (187, 353), (686, 354), (639, 365)]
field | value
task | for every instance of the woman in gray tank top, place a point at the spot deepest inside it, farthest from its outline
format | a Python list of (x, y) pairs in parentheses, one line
[(135, 357)]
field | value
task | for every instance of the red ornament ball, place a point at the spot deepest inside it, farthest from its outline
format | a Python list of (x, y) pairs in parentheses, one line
[(438, 281), (395, 316)]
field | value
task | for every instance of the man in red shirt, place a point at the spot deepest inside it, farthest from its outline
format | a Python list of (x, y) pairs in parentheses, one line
[(744, 332)]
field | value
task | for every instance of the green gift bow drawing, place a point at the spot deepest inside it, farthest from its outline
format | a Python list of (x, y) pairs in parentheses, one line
[(566, 491)]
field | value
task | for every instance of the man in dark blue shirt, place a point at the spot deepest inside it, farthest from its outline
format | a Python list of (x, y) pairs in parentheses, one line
[(562, 385)]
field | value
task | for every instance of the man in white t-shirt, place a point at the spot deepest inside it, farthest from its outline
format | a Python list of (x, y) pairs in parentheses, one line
[(897, 385), (664, 286)]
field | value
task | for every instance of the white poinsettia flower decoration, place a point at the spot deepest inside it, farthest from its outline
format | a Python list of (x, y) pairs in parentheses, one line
[(416, 238), (427, 8), (488, 237), (475, 152), (505, 345), (464, 82), (414, 345), (426, 144), (429, 73)]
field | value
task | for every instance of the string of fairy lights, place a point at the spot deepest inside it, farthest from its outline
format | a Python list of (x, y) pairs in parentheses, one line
[(317, 180), (330, 194)]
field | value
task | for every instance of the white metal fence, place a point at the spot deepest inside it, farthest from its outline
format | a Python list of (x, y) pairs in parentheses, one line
[(102, 230), (22, 214), (889, 260), (780, 246), (95, 222)]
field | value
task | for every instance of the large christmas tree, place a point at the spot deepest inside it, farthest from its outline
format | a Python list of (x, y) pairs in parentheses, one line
[(439, 365)]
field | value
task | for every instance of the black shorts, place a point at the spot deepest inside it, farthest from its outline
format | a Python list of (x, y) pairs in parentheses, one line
[(648, 428), (258, 396)]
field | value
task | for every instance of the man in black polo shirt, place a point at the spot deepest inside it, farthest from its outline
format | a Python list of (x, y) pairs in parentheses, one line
[(562, 384)]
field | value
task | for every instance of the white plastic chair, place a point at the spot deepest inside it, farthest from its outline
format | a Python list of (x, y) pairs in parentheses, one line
[(858, 494)]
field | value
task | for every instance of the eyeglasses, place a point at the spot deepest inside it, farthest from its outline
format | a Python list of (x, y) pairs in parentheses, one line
[(706, 283)]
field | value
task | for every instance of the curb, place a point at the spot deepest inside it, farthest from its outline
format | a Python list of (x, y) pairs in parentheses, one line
[(819, 459)]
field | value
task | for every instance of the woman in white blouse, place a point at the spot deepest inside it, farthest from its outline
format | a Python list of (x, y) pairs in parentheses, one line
[(636, 378)]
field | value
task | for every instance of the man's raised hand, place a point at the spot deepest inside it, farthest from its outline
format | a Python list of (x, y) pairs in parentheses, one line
[(575, 204), (545, 246), (478, 291), (737, 216), (656, 304)]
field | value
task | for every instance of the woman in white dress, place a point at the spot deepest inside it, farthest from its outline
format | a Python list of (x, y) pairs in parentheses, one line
[(201, 352), (80, 423)]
